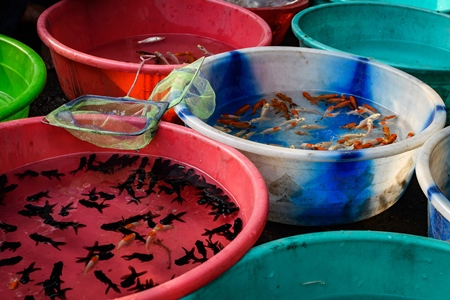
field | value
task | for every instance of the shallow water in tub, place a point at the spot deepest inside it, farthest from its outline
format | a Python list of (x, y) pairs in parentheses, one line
[(99, 210)]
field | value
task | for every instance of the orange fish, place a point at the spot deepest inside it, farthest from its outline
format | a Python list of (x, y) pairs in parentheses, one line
[(128, 239), (242, 110)]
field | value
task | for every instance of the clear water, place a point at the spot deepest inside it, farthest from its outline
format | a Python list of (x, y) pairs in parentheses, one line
[(125, 49), (70, 188), (403, 53), (287, 137)]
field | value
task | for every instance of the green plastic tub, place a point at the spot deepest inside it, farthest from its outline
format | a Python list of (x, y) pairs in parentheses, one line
[(436, 5), (22, 77), (338, 265), (414, 40)]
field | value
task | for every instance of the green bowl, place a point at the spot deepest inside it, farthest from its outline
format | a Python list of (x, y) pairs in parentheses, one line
[(22, 77), (338, 265)]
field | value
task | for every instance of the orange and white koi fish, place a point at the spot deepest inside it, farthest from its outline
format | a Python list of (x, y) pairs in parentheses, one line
[(230, 116), (327, 111), (364, 122), (92, 262), (271, 130), (312, 126), (287, 122), (222, 128), (127, 240), (307, 110)]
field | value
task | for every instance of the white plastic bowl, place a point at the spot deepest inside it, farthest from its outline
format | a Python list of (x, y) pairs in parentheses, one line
[(316, 188), (433, 171)]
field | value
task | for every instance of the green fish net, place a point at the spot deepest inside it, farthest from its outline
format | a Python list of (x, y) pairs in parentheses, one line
[(130, 124)]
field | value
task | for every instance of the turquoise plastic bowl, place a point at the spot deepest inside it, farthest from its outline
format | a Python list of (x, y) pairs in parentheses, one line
[(436, 5), (22, 77), (338, 265), (414, 40)]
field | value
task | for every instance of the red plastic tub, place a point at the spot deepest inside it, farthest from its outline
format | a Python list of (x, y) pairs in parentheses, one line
[(279, 18), (71, 29), (29, 140)]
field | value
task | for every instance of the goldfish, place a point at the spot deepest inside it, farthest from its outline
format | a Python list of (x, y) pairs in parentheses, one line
[(152, 39), (127, 240), (204, 51), (242, 110), (271, 130), (286, 99), (92, 262), (258, 105), (14, 284)]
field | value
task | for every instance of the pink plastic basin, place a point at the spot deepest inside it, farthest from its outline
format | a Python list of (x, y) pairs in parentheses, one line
[(28, 140), (70, 28)]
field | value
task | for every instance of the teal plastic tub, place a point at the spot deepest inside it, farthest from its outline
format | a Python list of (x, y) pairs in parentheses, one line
[(436, 5), (338, 265), (414, 40), (22, 77)]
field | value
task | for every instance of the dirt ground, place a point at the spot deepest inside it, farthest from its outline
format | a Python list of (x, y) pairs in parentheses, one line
[(408, 215)]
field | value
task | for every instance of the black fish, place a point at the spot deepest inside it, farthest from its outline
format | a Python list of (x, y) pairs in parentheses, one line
[(4, 188), (65, 209), (144, 162), (106, 196), (237, 228), (45, 240), (13, 246), (218, 230), (41, 211), (216, 247), (10, 261), (100, 248), (90, 163), (92, 195), (26, 273), (63, 225), (113, 226), (141, 256), (52, 286), (52, 174), (172, 217), (7, 227), (201, 249), (29, 297), (225, 208), (189, 255), (81, 166), (149, 219), (139, 287), (29, 173), (38, 196), (90, 204), (103, 278), (130, 279)]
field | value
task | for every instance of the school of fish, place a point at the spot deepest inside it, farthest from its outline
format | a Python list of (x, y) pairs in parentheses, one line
[(364, 128), (163, 176)]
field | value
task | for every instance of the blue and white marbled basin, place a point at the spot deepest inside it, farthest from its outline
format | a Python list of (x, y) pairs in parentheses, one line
[(315, 188)]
